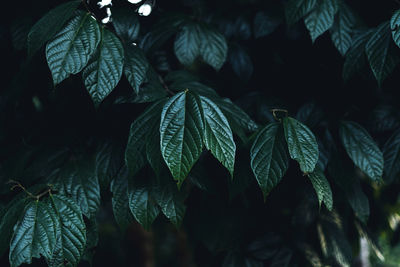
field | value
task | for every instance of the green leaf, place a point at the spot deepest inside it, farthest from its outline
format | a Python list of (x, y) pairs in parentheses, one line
[(9, 216), (181, 133), (187, 44), (265, 24), (302, 145), (171, 202), (322, 188), (218, 136), (213, 47), (35, 234), (381, 52), (241, 62), (134, 153), (362, 149), (126, 24), (358, 201), (70, 50), (109, 161), (142, 203), (105, 70), (120, 200), (269, 158), (49, 25), (355, 57), (153, 150), (71, 233), (321, 18), (136, 66), (395, 26), (342, 29), (297, 9), (391, 155), (79, 180)]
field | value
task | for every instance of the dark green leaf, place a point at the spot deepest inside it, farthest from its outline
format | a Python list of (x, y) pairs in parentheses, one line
[(153, 151), (105, 70), (269, 158), (358, 201), (142, 203), (187, 44), (297, 9), (235, 115), (302, 145), (49, 25), (70, 50), (181, 132), (126, 24), (342, 29), (241, 62), (321, 17), (218, 136), (213, 47), (391, 155), (120, 201), (395, 27), (381, 52), (136, 66), (109, 161), (321, 187), (362, 149), (134, 154), (265, 24)]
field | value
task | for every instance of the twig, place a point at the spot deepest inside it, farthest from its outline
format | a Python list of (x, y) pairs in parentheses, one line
[(165, 86), (17, 184), (274, 113)]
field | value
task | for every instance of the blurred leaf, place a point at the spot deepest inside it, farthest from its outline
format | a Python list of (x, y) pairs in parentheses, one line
[(321, 18)]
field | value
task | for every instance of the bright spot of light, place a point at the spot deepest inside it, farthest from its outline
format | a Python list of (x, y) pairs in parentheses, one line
[(134, 1), (104, 3), (135, 44), (108, 18), (145, 10)]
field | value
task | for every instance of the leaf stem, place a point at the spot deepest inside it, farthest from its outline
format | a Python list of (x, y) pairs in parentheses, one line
[(165, 86), (17, 184)]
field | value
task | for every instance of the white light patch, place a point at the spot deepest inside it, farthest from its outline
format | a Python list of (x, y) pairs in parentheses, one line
[(104, 3), (145, 10), (108, 18), (134, 1)]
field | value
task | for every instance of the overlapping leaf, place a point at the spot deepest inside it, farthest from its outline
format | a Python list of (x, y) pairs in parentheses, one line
[(187, 44), (269, 158), (126, 24), (297, 9), (181, 133), (104, 72), (302, 145), (342, 29), (49, 25), (218, 136), (136, 66), (381, 52), (362, 149), (321, 18), (321, 187), (70, 50), (213, 48), (391, 155), (395, 27)]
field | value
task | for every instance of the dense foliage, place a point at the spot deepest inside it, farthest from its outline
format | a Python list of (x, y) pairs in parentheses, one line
[(200, 133)]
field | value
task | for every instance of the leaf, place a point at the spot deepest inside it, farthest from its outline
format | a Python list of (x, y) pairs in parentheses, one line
[(49, 25), (187, 44), (218, 136), (297, 9), (70, 50), (142, 203), (171, 202), (181, 133), (9, 217), (71, 233), (322, 188), (241, 62), (109, 161), (153, 150), (126, 25), (35, 234), (302, 145), (310, 114), (381, 53), (120, 200), (269, 158), (358, 201), (342, 29), (321, 18), (134, 153), (362, 149), (395, 27), (213, 47), (355, 57), (79, 181), (391, 155), (136, 66), (265, 24), (104, 72)]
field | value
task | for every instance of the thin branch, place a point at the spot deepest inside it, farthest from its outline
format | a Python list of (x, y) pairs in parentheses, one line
[(165, 86)]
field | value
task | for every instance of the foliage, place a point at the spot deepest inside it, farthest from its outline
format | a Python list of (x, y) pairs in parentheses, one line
[(182, 122)]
